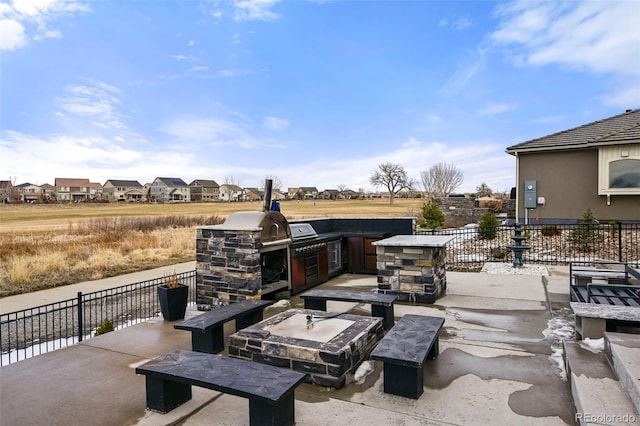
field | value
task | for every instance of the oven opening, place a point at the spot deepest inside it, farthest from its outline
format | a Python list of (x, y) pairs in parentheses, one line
[(275, 267)]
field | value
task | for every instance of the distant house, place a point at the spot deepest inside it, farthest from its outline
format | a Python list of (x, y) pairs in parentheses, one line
[(30, 193), (349, 194), (166, 189), (277, 195), (329, 194), (229, 192), (594, 166), (123, 190), (303, 193), (49, 192), (75, 190), (253, 194), (202, 190), (7, 192)]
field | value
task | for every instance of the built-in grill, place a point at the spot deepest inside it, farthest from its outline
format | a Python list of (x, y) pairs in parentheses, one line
[(305, 239)]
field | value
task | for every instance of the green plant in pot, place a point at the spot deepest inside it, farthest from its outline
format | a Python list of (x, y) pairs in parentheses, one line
[(173, 296)]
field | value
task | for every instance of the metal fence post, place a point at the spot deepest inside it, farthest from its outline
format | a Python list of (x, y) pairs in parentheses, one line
[(80, 321), (619, 242)]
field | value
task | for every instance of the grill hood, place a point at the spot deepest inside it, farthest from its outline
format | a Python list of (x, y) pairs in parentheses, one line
[(273, 225)]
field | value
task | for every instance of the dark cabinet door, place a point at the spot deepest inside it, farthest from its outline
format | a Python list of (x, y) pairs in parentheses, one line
[(370, 257), (355, 254), (323, 265), (298, 273)]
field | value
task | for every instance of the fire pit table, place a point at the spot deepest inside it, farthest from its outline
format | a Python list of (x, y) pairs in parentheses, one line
[(324, 345)]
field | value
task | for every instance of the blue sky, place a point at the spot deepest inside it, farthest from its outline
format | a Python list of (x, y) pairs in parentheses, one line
[(315, 93)]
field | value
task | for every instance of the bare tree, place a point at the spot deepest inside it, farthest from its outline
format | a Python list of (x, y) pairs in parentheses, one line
[(342, 187), (483, 190), (441, 179), (276, 182), (230, 180), (393, 177)]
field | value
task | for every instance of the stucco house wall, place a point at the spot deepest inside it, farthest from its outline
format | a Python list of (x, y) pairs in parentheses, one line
[(568, 181), (589, 167)]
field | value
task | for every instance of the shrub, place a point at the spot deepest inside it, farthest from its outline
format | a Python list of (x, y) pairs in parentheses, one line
[(551, 230), (433, 216), (587, 234), (105, 327), (488, 228)]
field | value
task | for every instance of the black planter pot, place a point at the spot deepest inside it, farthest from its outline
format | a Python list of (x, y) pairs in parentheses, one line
[(173, 301)]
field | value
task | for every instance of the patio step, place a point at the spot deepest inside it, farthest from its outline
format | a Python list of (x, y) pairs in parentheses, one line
[(598, 397), (623, 353)]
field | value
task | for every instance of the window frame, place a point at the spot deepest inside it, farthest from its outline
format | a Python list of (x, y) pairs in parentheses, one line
[(609, 154)]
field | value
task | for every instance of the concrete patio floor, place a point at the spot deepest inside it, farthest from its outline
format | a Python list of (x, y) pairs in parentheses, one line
[(495, 367)]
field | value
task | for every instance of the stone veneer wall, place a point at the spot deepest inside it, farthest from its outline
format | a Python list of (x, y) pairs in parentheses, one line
[(325, 363), (415, 274), (227, 265)]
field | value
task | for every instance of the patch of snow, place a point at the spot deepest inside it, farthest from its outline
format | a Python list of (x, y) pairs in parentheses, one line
[(363, 371), (558, 329), (593, 345), (284, 303)]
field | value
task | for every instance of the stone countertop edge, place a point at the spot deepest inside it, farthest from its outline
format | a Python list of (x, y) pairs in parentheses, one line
[(415, 241), (592, 310)]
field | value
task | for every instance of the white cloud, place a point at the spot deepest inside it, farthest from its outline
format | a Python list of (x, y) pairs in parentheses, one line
[(466, 70), (12, 35), (598, 37), (96, 100), (462, 24), (274, 123), (211, 131), (254, 10), (495, 108), (29, 19)]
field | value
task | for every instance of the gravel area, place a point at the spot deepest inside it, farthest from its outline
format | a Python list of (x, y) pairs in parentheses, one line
[(508, 269)]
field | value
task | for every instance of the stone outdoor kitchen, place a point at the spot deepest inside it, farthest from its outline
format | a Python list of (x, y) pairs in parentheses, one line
[(261, 255)]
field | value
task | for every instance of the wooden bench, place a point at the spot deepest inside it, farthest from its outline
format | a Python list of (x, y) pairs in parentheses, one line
[(270, 389), (381, 304), (404, 350), (207, 330)]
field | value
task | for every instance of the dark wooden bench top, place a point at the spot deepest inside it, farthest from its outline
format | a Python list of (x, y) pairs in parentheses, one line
[(234, 376), (409, 341), (221, 315), (351, 296)]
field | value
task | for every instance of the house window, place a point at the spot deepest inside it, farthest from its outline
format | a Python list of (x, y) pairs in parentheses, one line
[(624, 174), (619, 170)]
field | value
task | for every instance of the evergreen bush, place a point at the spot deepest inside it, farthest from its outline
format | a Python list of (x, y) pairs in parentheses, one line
[(488, 228), (105, 327), (587, 234), (433, 216)]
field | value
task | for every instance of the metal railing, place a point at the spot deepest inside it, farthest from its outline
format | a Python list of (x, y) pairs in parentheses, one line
[(34, 331), (550, 244)]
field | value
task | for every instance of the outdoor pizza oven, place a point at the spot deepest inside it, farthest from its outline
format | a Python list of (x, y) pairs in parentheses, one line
[(245, 257)]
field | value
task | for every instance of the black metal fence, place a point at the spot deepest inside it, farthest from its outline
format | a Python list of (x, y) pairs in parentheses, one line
[(34, 331), (549, 244)]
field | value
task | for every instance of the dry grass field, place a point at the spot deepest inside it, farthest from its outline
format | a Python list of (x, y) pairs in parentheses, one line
[(49, 245)]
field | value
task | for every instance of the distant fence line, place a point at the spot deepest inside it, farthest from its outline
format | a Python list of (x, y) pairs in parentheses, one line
[(33, 331), (550, 244)]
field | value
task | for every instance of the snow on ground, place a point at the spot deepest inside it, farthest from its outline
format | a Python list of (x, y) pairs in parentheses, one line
[(593, 345), (558, 329)]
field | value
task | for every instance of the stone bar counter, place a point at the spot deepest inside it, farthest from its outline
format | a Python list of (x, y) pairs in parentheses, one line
[(412, 266)]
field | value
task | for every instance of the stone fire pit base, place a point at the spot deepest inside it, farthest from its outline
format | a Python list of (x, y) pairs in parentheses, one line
[(334, 347)]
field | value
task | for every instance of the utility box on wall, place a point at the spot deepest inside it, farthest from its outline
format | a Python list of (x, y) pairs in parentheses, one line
[(530, 200)]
